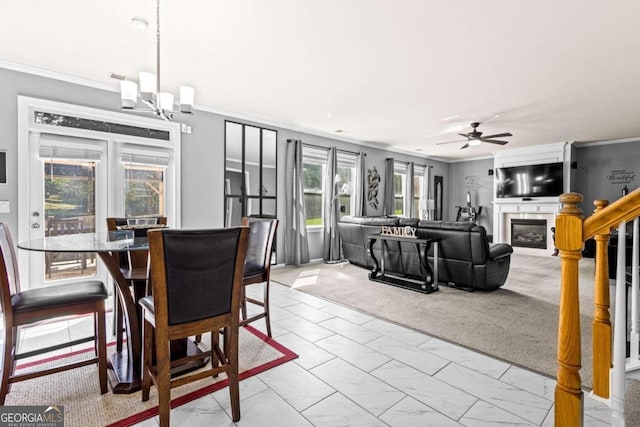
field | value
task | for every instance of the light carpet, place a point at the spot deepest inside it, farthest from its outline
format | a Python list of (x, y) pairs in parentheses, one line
[(78, 391), (517, 323)]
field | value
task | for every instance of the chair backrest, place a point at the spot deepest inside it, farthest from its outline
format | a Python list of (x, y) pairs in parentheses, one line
[(197, 274), (137, 258), (114, 222), (260, 245), (9, 279)]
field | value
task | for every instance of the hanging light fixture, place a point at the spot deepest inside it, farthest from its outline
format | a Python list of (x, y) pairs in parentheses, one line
[(156, 102)]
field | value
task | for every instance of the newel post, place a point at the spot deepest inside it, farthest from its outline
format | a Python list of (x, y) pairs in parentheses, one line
[(601, 316), (568, 394)]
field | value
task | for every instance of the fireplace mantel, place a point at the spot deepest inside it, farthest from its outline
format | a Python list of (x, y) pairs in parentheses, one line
[(530, 208), (524, 209)]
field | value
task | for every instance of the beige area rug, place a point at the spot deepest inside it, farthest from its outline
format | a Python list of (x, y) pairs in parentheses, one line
[(517, 323), (78, 391)]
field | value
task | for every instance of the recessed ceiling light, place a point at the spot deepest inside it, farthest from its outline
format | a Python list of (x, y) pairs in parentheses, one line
[(340, 131), (139, 23), (329, 115)]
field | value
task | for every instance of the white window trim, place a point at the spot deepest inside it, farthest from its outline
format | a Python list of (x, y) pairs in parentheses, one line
[(26, 125)]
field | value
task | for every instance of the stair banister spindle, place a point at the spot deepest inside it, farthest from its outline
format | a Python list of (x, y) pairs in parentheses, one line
[(619, 334), (601, 350), (635, 336)]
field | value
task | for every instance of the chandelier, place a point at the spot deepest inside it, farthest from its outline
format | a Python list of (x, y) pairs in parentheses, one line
[(155, 101)]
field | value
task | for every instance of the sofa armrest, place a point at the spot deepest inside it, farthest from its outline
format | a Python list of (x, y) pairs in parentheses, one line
[(499, 250)]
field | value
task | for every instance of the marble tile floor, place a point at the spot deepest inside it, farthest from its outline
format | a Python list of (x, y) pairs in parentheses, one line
[(358, 370)]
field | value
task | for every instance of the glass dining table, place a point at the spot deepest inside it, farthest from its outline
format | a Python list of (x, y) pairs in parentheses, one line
[(124, 365)]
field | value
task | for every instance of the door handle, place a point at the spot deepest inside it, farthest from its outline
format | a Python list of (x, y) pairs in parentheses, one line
[(35, 225)]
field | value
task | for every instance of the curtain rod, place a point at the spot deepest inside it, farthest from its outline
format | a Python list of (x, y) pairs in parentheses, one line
[(337, 149), (415, 164)]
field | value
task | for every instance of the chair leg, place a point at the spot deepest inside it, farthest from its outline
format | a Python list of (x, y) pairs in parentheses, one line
[(117, 319), (231, 351), (163, 383), (101, 342), (243, 302), (215, 344), (7, 361), (147, 358), (267, 316)]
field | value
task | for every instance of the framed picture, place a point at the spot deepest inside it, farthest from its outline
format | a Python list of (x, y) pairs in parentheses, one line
[(438, 191)]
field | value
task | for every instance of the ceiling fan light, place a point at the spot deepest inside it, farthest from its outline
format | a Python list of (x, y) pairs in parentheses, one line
[(474, 142), (147, 85), (187, 94), (128, 93)]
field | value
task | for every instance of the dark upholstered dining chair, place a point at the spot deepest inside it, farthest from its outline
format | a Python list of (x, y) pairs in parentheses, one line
[(257, 268), (196, 276), (22, 308), (134, 268)]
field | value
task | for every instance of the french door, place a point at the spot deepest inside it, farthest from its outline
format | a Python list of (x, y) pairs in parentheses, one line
[(67, 193), (76, 167)]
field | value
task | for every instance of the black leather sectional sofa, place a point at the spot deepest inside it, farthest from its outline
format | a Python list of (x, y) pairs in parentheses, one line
[(466, 259)]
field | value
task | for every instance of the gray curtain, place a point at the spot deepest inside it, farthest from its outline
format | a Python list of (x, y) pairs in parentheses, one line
[(296, 244), (388, 201), (360, 187), (331, 204), (428, 194), (410, 209)]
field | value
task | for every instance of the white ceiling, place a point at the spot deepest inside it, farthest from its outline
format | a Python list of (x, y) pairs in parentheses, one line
[(389, 72)]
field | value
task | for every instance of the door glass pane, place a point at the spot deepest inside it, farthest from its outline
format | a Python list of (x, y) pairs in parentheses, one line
[(269, 208), (252, 159), (253, 206), (233, 162), (268, 163), (69, 208), (144, 190), (234, 211)]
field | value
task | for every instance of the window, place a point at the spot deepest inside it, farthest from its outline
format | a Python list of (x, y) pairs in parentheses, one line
[(418, 189), (314, 164), (346, 183), (144, 181), (399, 187)]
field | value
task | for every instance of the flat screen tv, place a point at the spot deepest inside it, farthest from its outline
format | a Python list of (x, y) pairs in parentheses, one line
[(530, 181)]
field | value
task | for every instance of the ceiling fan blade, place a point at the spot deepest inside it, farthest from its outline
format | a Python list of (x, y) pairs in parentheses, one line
[(465, 135), (464, 146), (451, 142), (494, 141), (497, 135)]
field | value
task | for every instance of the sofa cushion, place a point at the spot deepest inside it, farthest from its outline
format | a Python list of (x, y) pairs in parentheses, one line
[(370, 220)]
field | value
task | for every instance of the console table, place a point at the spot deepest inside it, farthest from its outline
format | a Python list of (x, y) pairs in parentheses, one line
[(468, 213), (429, 281)]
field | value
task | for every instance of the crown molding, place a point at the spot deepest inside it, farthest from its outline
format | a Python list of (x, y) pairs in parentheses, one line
[(28, 69)]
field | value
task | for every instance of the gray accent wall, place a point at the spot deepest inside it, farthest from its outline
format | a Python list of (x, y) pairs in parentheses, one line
[(604, 169), (202, 152), (472, 176)]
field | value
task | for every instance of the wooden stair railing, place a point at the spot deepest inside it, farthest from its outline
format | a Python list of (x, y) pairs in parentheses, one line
[(571, 233)]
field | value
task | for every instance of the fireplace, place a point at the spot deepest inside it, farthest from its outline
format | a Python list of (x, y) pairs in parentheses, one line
[(529, 233)]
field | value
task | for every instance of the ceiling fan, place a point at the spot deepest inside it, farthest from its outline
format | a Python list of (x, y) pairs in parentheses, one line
[(475, 137)]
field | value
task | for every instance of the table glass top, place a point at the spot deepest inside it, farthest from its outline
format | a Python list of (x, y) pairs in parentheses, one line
[(113, 241)]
